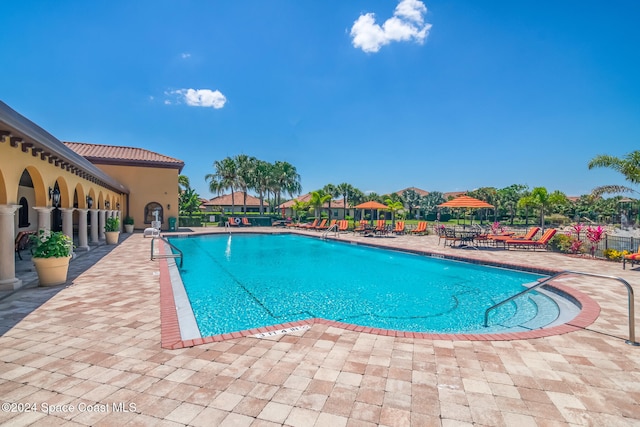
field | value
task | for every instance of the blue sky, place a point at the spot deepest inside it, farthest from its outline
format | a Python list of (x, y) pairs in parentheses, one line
[(442, 95)]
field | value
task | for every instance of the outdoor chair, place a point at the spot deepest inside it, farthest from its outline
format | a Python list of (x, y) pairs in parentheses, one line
[(362, 226), (234, 222), (631, 259), (421, 228), (23, 242), (308, 226), (381, 227), (450, 236), (502, 238), (245, 222), (399, 229), (321, 226), (343, 225), (532, 244)]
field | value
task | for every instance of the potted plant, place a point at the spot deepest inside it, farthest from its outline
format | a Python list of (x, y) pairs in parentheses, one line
[(51, 255), (112, 230), (128, 224)]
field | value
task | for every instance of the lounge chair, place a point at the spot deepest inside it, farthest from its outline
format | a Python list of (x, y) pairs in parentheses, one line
[(399, 229), (331, 224), (245, 222), (528, 244), (631, 259), (502, 238), (343, 225), (362, 226), (23, 242), (321, 226), (421, 228), (381, 227), (234, 222), (309, 226)]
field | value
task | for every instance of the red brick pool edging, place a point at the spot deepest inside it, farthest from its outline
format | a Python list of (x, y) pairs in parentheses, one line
[(171, 338)]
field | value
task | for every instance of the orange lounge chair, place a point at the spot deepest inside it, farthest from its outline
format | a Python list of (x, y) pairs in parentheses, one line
[(245, 222), (502, 238), (331, 224), (421, 228), (631, 259), (234, 222), (541, 243), (312, 225), (362, 226), (322, 225), (381, 226), (399, 228), (343, 225)]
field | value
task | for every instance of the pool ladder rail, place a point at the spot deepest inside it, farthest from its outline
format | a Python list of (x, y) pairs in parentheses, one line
[(632, 334), (333, 228), (177, 254)]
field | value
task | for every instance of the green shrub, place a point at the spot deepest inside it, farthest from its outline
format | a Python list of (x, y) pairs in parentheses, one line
[(614, 254), (51, 244), (112, 224)]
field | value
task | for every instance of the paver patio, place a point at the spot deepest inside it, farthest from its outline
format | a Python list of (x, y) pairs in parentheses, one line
[(95, 346)]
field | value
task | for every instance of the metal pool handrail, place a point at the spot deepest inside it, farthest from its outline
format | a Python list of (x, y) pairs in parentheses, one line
[(164, 256), (632, 333)]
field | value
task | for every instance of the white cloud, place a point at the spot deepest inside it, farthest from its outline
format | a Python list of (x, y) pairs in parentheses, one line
[(185, 55), (406, 24), (199, 97)]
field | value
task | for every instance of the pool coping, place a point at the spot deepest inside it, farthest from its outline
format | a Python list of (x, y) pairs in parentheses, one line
[(170, 326)]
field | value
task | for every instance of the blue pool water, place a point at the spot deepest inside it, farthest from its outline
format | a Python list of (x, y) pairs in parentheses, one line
[(240, 282)]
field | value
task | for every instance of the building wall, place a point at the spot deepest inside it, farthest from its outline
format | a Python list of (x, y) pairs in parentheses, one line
[(147, 185), (45, 175)]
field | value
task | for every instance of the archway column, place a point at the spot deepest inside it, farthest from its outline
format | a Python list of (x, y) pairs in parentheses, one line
[(101, 223), (95, 236), (67, 221), (83, 241), (44, 217), (8, 279)]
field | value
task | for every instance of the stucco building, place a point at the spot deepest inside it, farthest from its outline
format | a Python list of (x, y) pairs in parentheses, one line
[(46, 184)]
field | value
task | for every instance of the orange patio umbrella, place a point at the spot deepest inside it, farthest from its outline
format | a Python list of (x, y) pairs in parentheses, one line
[(465, 202), (373, 205)]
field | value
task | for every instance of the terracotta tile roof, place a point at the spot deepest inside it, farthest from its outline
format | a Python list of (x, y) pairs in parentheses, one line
[(420, 191), (225, 200), (113, 154)]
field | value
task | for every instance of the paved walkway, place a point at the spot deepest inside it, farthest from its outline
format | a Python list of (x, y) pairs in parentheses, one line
[(90, 354)]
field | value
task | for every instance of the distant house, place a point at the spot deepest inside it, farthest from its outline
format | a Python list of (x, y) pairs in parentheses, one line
[(420, 191), (223, 203), (337, 207)]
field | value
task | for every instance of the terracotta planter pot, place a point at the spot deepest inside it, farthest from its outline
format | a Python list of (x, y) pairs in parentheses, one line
[(52, 271), (112, 237)]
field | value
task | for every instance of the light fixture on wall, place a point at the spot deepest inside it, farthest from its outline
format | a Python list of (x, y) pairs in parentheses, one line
[(89, 202), (54, 196), (118, 206), (107, 204), (168, 206)]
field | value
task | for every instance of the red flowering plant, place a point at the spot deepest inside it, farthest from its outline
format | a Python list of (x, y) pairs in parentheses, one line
[(578, 228), (595, 235), (496, 228)]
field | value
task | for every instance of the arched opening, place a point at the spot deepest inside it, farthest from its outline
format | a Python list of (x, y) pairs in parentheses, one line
[(151, 210), (23, 214)]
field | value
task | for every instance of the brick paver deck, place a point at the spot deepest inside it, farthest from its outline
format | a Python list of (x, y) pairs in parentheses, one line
[(91, 353)]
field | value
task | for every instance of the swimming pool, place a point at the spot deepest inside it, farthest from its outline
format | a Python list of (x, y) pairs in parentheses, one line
[(241, 282)]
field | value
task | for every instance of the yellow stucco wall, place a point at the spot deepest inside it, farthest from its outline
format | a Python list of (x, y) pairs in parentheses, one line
[(44, 175), (147, 185)]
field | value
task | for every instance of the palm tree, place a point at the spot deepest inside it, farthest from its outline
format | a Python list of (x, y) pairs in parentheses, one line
[(509, 197), (347, 191), (244, 166), (224, 177), (287, 179), (629, 166), (543, 200), (411, 199), (299, 206), (183, 182), (331, 190), (393, 207), (317, 200), (260, 180)]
